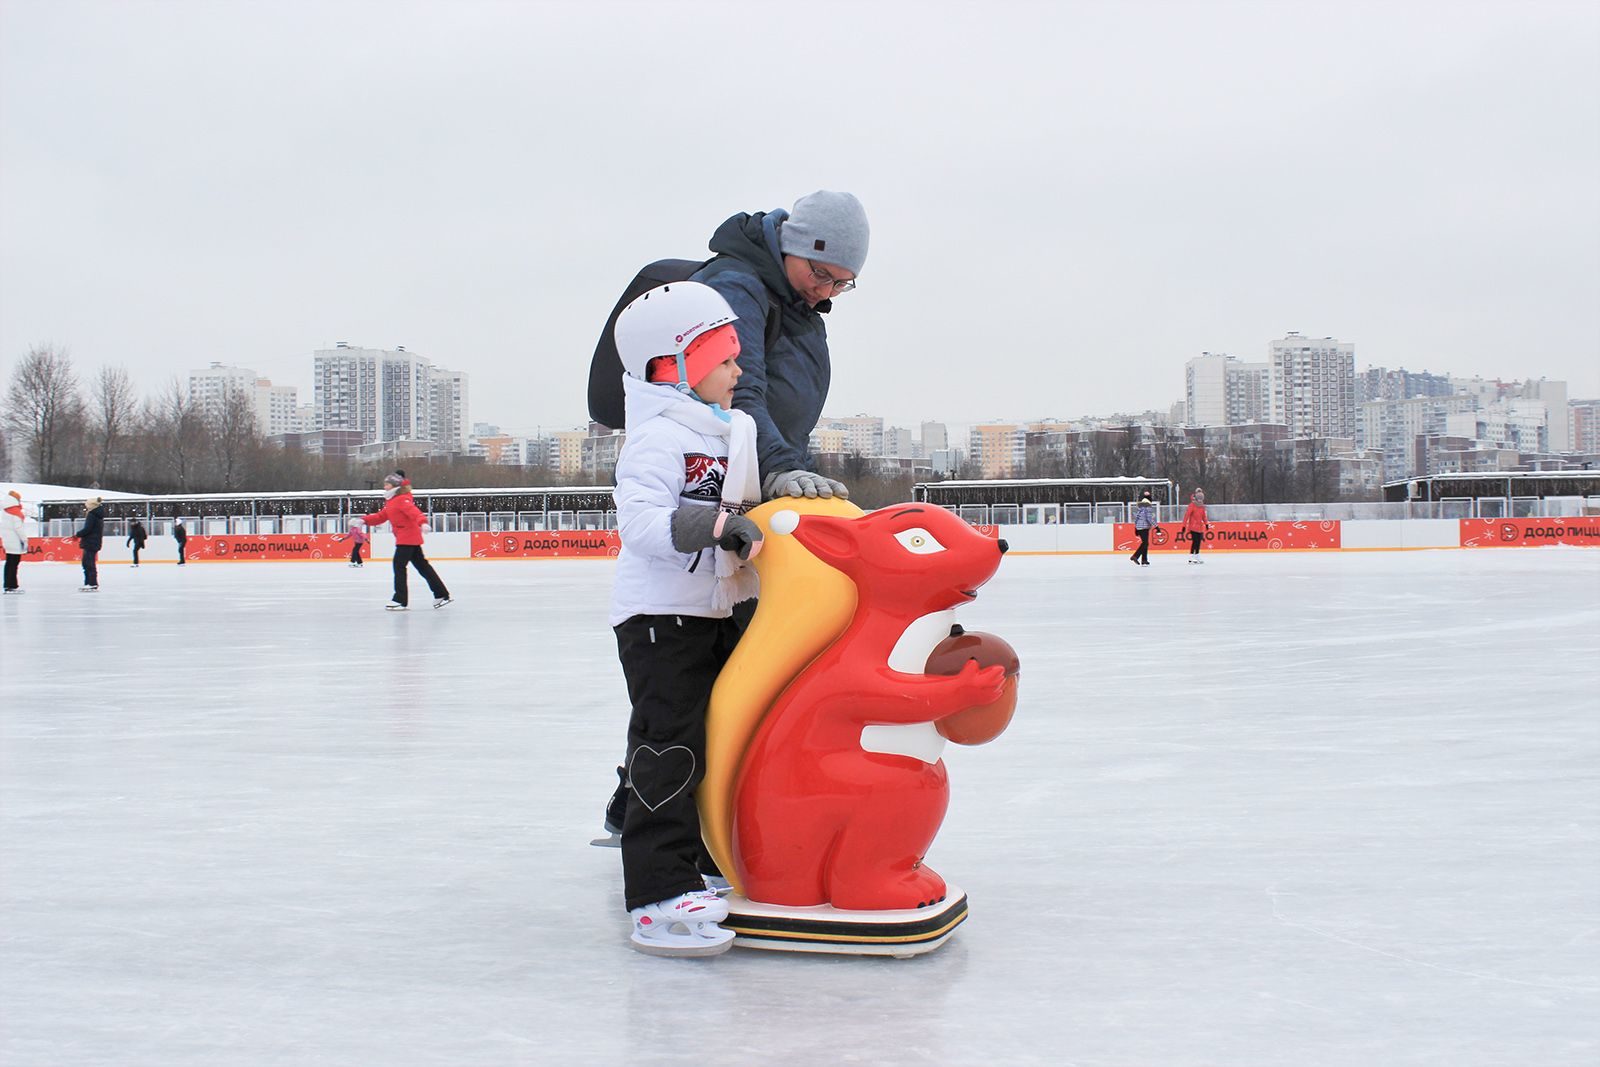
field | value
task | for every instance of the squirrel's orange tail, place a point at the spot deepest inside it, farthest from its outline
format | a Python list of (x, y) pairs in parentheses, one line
[(804, 605)]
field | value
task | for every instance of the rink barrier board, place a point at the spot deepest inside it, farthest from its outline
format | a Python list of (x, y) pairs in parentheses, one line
[(1368, 535)]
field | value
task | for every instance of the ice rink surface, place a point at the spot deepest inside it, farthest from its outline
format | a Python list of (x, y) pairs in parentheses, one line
[(1277, 809)]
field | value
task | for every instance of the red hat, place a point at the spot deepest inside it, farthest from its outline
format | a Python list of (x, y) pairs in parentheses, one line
[(707, 352)]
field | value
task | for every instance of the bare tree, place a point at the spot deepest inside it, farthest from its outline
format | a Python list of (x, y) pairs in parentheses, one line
[(45, 411), (234, 437), (111, 416), (1131, 457), (1168, 455), (179, 429), (1106, 455)]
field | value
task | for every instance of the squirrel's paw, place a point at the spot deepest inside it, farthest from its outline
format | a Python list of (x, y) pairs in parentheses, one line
[(981, 685)]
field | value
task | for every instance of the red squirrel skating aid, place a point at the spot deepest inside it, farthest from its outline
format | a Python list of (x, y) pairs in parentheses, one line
[(841, 790)]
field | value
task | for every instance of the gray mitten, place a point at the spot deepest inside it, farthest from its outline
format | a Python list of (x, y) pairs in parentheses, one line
[(802, 483), (695, 527), (691, 527), (740, 536)]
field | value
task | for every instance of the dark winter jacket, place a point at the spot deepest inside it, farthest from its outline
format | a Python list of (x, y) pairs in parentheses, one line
[(180, 534), (136, 535), (782, 390), (93, 532)]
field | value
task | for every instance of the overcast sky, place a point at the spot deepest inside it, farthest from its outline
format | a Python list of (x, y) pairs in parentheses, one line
[(1068, 200)]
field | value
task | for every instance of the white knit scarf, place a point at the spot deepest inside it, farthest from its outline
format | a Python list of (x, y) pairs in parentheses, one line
[(741, 491)]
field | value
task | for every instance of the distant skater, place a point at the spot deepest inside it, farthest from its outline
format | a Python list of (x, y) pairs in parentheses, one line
[(1195, 524), (1144, 516), (180, 535), (136, 538), (357, 536), (90, 537), (407, 522), (14, 536)]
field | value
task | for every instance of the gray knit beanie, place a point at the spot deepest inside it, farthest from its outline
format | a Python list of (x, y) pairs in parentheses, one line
[(827, 227)]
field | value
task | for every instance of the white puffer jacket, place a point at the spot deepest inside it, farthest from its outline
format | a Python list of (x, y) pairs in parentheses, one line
[(664, 466), (13, 528)]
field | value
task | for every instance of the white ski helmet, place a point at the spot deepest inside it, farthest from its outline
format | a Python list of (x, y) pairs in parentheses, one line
[(665, 321)]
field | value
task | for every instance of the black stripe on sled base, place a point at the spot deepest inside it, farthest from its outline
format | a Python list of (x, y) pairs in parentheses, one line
[(845, 929)]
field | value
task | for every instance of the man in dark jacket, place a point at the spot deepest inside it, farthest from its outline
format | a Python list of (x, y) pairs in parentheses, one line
[(794, 263), (180, 535), (137, 537), (89, 539)]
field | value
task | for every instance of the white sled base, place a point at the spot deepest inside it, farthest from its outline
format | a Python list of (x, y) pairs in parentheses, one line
[(902, 933)]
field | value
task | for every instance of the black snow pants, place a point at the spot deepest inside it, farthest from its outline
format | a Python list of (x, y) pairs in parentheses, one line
[(1142, 553), (670, 663), (412, 554)]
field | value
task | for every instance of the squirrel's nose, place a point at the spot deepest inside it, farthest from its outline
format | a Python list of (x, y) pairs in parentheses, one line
[(1003, 546)]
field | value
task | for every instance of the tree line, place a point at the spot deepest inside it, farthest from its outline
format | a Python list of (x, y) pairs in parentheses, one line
[(100, 433)]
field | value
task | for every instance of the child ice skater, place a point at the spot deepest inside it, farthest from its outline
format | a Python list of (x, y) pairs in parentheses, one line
[(357, 537), (686, 476), (402, 514), (1144, 517)]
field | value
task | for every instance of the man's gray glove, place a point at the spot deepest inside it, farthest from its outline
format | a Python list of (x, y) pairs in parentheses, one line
[(802, 483), (695, 526)]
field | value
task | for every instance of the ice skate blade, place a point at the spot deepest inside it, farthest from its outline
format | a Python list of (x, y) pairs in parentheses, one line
[(688, 951), (609, 841), (904, 932)]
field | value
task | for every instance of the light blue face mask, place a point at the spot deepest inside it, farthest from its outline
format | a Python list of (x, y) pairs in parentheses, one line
[(683, 387)]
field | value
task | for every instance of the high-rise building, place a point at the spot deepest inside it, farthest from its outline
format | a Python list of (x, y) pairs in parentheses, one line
[(1583, 427), (1222, 390), (1205, 389), (1313, 386), (899, 443), (276, 407), (1552, 396), (1394, 425), (389, 396), (1380, 383), (863, 434)]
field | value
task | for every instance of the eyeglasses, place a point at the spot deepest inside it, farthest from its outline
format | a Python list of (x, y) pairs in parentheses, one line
[(822, 277)]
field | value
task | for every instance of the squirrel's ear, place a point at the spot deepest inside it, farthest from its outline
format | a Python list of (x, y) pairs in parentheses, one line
[(830, 540)]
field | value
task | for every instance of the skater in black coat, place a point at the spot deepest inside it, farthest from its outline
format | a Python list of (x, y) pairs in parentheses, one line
[(90, 537), (137, 537), (180, 535)]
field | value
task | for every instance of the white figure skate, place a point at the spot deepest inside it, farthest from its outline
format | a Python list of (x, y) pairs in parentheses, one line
[(683, 926)]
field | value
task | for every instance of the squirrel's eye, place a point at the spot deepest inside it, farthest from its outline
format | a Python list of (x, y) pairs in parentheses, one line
[(918, 540)]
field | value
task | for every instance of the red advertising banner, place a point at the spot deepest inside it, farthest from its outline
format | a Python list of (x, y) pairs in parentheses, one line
[(218, 549), (1236, 536), (53, 550), (549, 544), (1530, 533)]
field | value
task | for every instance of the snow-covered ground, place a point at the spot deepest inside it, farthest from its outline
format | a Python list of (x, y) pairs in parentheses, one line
[(1277, 809)]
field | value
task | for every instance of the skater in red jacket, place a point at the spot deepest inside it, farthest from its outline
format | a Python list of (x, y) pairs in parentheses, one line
[(402, 515), (1195, 524)]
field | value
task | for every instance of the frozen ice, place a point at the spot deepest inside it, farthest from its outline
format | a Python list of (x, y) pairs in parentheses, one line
[(1278, 809)]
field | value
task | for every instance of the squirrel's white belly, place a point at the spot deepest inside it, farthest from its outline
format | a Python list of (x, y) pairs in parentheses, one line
[(919, 740)]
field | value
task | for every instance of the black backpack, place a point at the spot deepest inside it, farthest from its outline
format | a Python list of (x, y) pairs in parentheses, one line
[(605, 369)]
